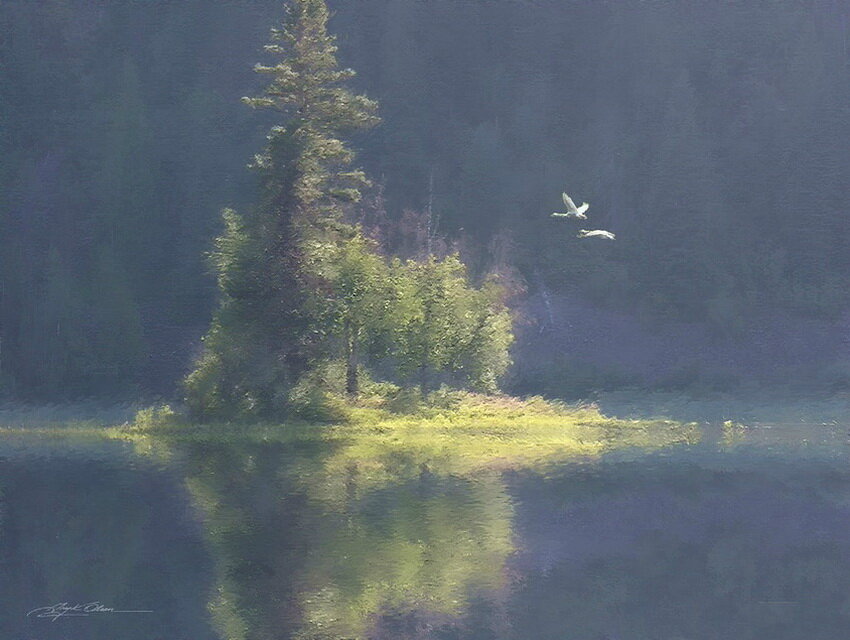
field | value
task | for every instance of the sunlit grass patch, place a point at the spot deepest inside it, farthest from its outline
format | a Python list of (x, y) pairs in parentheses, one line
[(456, 434), (486, 433)]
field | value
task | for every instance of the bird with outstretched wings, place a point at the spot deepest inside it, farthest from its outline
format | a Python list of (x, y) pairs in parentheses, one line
[(572, 210)]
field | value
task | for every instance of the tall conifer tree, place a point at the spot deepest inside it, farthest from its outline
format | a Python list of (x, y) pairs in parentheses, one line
[(264, 335)]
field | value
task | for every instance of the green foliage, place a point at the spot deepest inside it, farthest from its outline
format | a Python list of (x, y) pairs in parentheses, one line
[(446, 329), (311, 401), (354, 298), (405, 401), (356, 284), (299, 287), (275, 264), (228, 379), (160, 416), (305, 160)]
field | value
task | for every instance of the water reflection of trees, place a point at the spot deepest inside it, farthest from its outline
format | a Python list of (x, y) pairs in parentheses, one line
[(315, 539), (371, 531), (425, 546), (313, 548), (304, 549)]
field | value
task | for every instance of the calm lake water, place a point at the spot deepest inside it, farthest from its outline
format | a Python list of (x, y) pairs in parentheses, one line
[(745, 535)]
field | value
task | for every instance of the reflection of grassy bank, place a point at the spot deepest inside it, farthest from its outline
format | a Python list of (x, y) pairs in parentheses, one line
[(454, 434)]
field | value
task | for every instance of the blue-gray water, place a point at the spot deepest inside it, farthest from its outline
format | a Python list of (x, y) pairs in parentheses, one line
[(745, 535)]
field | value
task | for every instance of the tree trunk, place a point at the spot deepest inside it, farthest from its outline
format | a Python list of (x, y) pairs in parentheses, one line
[(352, 388)]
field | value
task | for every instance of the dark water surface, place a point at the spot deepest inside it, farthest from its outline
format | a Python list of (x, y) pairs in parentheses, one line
[(744, 536)]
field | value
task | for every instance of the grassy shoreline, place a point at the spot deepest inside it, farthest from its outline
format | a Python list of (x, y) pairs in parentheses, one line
[(468, 433), (455, 433)]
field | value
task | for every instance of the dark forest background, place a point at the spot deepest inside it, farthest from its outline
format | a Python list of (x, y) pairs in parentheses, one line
[(711, 137)]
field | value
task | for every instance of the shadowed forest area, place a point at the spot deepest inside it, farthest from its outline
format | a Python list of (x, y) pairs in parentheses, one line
[(711, 137)]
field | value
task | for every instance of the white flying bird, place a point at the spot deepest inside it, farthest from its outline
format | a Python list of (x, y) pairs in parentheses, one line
[(596, 233), (572, 210)]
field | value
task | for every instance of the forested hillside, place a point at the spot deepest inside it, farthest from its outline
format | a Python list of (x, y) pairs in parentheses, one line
[(711, 137)]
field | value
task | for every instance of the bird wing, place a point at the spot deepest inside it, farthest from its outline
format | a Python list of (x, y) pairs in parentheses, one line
[(596, 233), (571, 206), (584, 207), (560, 215)]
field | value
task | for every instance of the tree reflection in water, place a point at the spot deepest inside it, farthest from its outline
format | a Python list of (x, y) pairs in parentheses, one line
[(307, 552), (248, 537), (310, 544)]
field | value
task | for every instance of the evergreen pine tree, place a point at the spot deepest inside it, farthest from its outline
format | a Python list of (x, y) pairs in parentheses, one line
[(266, 333)]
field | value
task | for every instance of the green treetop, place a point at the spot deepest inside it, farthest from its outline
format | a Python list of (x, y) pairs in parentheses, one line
[(267, 330), (306, 161)]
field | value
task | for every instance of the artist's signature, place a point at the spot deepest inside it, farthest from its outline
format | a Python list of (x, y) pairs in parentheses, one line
[(68, 610)]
